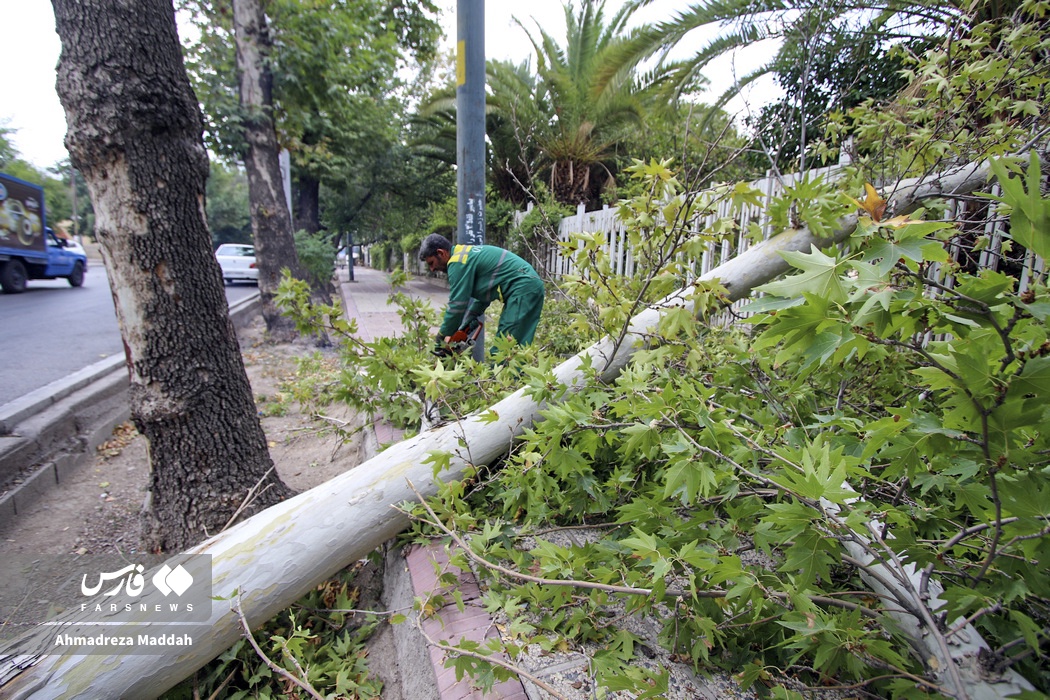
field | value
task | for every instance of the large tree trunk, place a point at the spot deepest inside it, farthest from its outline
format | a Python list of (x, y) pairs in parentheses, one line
[(271, 220), (309, 219), (135, 135)]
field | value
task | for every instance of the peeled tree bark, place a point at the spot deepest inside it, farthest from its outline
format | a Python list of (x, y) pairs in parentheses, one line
[(271, 220), (275, 557), (135, 134)]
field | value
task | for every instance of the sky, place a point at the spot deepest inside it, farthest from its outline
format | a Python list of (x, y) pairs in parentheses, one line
[(29, 49)]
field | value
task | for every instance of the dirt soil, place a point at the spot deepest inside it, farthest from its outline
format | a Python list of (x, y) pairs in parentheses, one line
[(90, 523)]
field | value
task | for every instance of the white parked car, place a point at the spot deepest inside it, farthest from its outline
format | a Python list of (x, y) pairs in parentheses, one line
[(237, 261)]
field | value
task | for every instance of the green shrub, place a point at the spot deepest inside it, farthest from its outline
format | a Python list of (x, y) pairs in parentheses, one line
[(317, 256)]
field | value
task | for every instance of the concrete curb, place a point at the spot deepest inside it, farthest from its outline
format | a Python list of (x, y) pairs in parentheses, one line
[(51, 432), (17, 411), (415, 573)]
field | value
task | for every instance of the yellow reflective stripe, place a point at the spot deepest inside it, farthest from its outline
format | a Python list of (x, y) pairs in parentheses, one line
[(460, 254)]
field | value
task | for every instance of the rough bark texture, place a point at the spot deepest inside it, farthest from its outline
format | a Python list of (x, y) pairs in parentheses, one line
[(135, 134), (271, 220)]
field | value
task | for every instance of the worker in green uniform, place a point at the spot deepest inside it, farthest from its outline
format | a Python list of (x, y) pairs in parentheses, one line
[(478, 274)]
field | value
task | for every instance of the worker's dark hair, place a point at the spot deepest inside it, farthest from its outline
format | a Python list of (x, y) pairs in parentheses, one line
[(432, 244)]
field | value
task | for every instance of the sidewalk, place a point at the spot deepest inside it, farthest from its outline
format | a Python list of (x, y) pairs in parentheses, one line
[(365, 299), (415, 573)]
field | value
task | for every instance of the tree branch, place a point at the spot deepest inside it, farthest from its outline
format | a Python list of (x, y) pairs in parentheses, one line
[(279, 670)]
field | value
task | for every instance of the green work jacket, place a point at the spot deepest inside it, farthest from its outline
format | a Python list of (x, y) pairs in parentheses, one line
[(478, 274)]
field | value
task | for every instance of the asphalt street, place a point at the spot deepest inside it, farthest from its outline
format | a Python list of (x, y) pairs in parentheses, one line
[(52, 330)]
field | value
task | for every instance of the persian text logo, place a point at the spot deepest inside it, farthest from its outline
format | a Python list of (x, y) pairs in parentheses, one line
[(130, 576), (166, 580)]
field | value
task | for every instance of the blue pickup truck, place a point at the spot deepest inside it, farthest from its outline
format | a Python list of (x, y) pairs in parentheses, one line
[(29, 250)]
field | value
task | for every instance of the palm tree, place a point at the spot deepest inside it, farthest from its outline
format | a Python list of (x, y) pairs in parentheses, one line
[(562, 123), (594, 105), (519, 112)]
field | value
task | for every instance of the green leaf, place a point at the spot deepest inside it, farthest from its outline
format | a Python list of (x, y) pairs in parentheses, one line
[(875, 310), (768, 303), (935, 378), (974, 497), (1034, 379), (790, 519), (684, 478), (808, 558), (643, 543), (642, 437), (1025, 497), (1040, 309), (489, 416), (822, 347), (1029, 210), (884, 254), (1029, 628), (820, 277)]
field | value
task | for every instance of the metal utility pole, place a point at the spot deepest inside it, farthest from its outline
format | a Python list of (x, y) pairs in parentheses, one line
[(470, 120), (470, 130)]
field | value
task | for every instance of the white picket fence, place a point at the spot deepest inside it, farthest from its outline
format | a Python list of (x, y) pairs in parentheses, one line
[(978, 217), (975, 217), (556, 263)]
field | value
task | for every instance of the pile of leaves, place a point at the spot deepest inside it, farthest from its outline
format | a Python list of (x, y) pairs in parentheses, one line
[(123, 434)]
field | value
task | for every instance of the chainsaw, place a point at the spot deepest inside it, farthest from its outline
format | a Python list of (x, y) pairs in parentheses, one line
[(461, 341)]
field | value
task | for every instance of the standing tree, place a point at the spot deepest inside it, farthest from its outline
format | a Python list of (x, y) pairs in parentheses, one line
[(563, 125), (336, 84), (595, 105), (135, 135), (334, 79), (271, 220)]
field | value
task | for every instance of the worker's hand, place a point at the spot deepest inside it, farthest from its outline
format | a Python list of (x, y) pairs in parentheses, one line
[(441, 348), (470, 322)]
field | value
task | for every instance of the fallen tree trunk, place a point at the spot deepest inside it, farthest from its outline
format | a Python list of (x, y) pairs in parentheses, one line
[(275, 557)]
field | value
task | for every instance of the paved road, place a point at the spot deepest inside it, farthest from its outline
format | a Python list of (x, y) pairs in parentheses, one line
[(51, 330)]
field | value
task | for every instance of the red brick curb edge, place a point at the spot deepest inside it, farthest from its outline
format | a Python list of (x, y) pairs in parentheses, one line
[(449, 624)]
